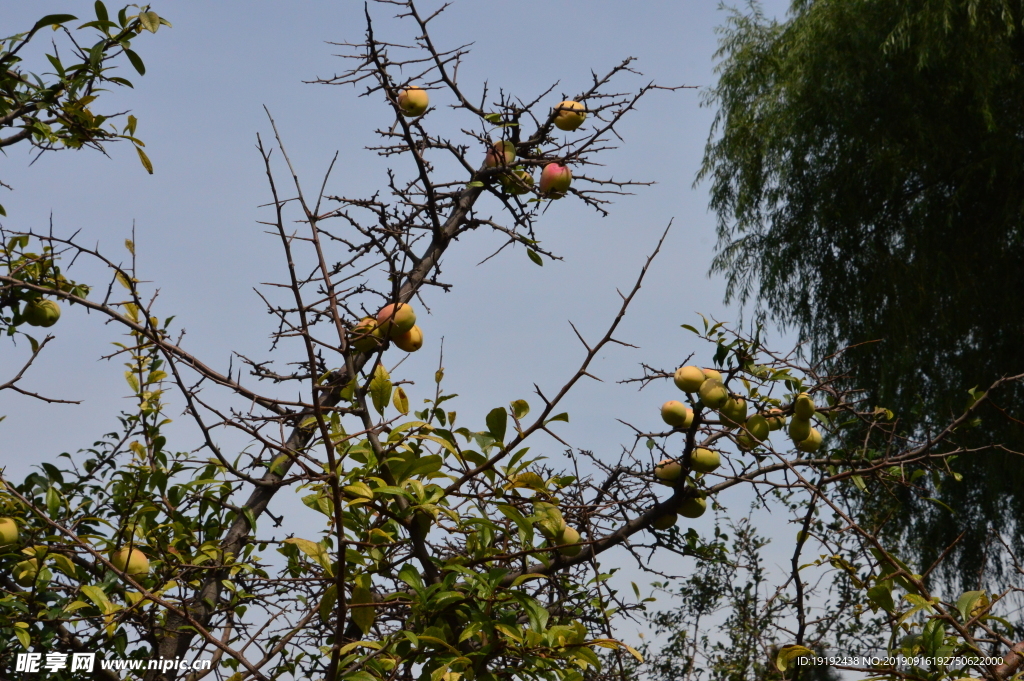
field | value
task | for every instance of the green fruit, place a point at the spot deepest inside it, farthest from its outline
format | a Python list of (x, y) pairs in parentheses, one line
[(689, 378), (803, 406), (704, 460), (734, 411), (519, 182), (811, 442), (130, 561), (8, 532), (41, 312), (26, 572), (676, 414), (776, 422), (693, 507), (745, 442), (713, 394), (799, 429), (366, 335), (758, 427), (668, 470), (550, 521), (664, 522), (396, 319), (572, 537), (502, 153), (711, 373)]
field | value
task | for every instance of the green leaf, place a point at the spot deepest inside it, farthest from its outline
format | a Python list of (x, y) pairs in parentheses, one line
[(558, 417), (881, 595), (966, 603), (789, 653), (497, 419), (146, 163), (401, 401), (99, 597), (364, 615), (534, 256), (101, 11), (410, 576), (380, 388), (493, 117), (315, 551), (327, 602), (54, 19), (23, 637), (150, 21), (475, 183), (520, 408), (136, 61)]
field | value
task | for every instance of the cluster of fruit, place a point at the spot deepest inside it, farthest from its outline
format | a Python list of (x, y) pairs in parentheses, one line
[(26, 573), (711, 392), (396, 322), (553, 526), (555, 178)]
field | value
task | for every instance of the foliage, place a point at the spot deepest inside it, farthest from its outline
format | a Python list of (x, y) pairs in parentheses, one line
[(53, 110), (433, 548), (866, 170)]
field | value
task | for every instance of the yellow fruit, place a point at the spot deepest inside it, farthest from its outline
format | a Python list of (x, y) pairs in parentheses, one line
[(396, 318), (41, 312), (8, 532), (693, 507), (572, 537), (411, 340), (130, 561), (704, 460), (519, 182), (734, 411), (803, 406), (668, 470), (688, 378), (413, 101), (664, 522), (811, 442), (713, 394), (501, 153), (25, 572), (711, 373), (676, 414), (366, 335), (758, 427), (569, 115), (799, 429)]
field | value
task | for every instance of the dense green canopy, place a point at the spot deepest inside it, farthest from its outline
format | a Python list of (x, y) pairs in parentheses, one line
[(867, 168)]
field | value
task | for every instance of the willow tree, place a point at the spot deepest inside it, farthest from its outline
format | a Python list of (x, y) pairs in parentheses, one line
[(436, 547), (866, 168)]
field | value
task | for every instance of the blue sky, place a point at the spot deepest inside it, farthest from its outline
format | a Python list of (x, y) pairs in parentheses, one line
[(505, 323)]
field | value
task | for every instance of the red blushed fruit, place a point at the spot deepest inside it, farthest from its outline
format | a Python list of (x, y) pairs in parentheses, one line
[(500, 154), (395, 319), (555, 180)]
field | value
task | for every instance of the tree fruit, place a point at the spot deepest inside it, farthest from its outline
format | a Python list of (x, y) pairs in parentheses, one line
[(411, 340), (811, 442), (734, 411), (8, 532), (745, 441), (41, 312), (413, 101), (519, 182), (668, 470), (571, 537), (366, 335), (803, 406), (396, 318), (26, 572), (713, 394), (130, 561), (711, 373), (665, 521), (704, 460), (799, 429), (758, 427), (569, 115), (501, 153), (776, 422), (555, 180), (550, 521), (676, 414), (689, 378), (693, 507)]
